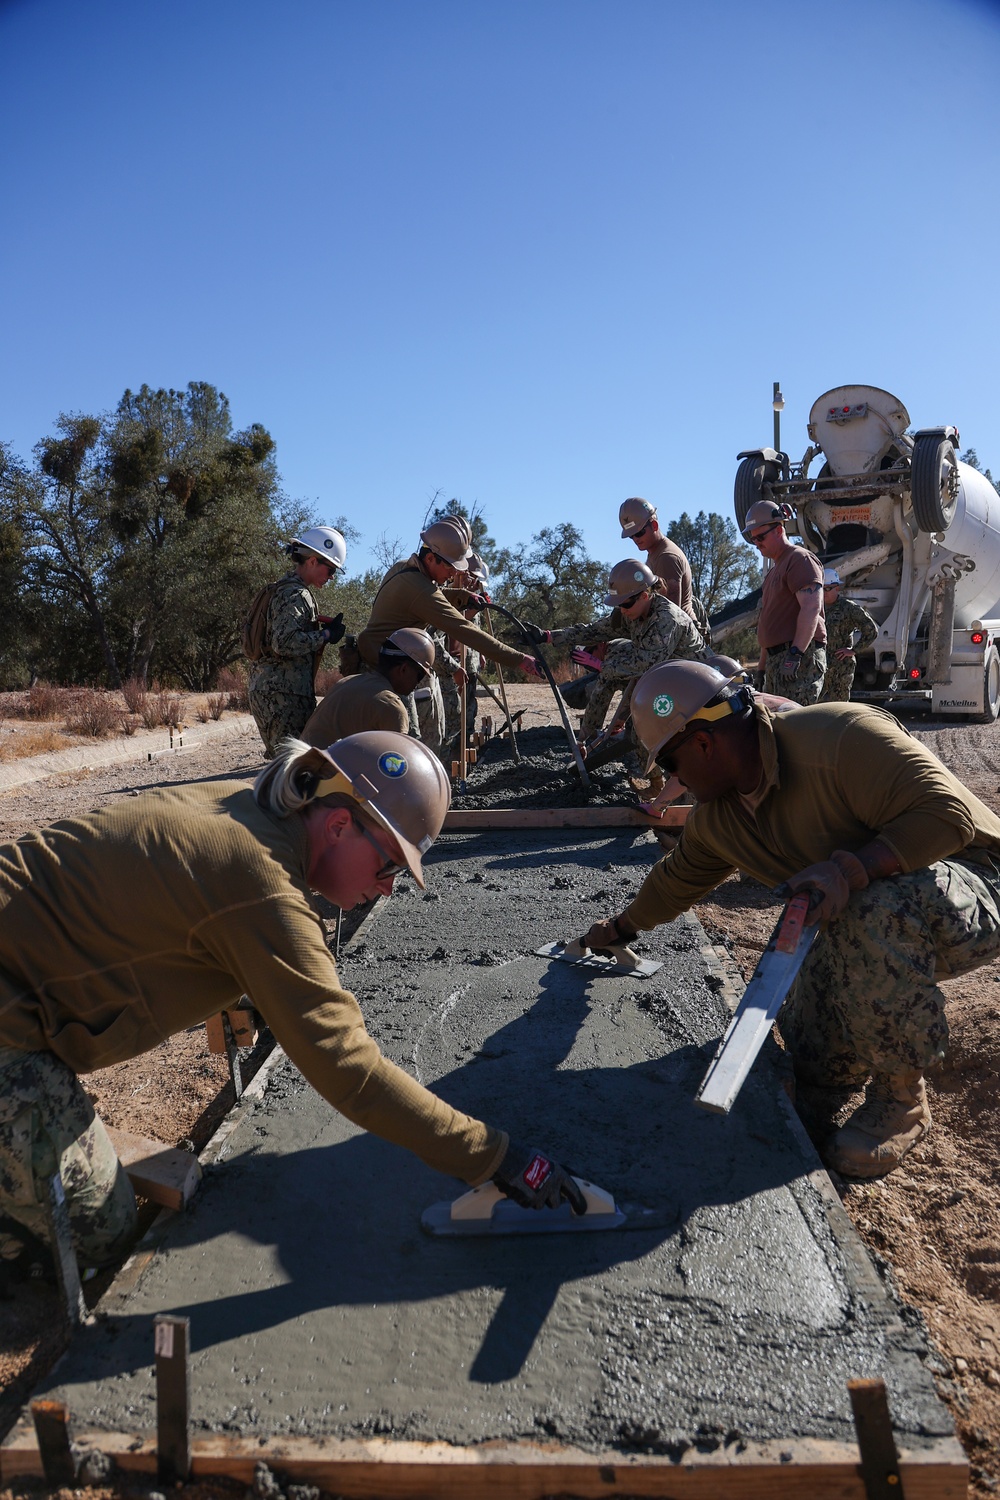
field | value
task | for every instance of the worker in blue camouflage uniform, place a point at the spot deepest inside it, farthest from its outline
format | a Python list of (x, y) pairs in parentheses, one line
[(844, 619), (643, 629), (282, 683)]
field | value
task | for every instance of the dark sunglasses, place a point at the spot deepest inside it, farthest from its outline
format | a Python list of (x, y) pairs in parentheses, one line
[(642, 530), (759, 537), (628, 603), (390, 868), (667, 759)]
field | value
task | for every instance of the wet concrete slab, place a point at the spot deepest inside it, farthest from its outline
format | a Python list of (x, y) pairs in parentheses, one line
[(318, 1307)]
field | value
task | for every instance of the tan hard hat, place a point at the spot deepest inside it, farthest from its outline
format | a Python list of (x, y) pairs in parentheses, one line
[(671, 696), (634, 514), (727, 665), (412, 643), (628, 578), (399, 781), (450, 539), (478, 569), (765, 513)]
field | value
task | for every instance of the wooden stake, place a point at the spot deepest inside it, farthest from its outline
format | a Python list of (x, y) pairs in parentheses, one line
[(51, 1421), (873, 1425), (503, 695), (173, 1398)]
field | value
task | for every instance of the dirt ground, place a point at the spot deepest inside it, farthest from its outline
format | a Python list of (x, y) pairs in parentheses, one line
[(933, 1225)]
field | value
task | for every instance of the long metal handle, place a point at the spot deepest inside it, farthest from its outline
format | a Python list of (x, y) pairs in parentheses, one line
[(463, 738), (536, 652)]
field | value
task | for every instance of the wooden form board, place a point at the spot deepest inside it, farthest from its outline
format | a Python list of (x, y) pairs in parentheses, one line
[(381, 1469), (461, 819), (160, 1173)]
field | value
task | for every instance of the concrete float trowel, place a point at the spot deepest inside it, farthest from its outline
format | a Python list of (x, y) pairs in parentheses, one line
[(485, 1210), (616, 958)]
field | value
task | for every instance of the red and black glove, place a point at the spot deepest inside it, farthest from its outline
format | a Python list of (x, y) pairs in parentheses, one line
[(534, 1180)]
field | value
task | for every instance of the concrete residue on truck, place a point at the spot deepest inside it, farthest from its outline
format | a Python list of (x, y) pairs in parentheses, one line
[(914, 534)]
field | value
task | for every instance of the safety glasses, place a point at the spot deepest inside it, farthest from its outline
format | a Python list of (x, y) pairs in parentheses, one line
[(390, 868), (667, 758), (642, 531), (757, 537), (631, 602)]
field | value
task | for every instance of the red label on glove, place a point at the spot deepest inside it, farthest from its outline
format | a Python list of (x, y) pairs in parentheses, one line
[(537, 1172)]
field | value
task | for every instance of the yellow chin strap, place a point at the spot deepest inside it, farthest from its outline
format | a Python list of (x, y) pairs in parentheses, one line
[(711, 714), (337, 783)]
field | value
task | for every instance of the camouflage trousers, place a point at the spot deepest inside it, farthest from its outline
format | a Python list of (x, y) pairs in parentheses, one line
[(838, 681), (867, 999), (621, 663), (452, 710), (48, 1123), (278, 712), (807, 684)]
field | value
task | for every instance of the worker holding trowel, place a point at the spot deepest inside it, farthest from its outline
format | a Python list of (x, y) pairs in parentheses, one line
[(126, 925), (643, 628), (836, 799)]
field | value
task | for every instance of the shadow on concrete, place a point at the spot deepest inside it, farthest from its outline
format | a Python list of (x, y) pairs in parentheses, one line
[(338, 1224)]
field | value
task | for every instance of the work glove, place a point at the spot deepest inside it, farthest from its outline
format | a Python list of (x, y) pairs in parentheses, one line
[(586, 658), (530, 665), (534, 1180), (537, 634), (477, 601), (790, 666), (834, 878), (335, 629)]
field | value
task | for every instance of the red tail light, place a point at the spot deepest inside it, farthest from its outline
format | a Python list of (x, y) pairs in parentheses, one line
[(914, 673), (978, 637)]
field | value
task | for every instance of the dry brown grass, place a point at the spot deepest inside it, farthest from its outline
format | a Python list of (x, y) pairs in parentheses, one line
[(95, 713), (134, 693), (234, 685), (213, 707), (161, 707), (44, 701), (32, 742)]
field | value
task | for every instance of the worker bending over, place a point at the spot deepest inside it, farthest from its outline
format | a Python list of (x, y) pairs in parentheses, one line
[(374, 700), (791, 630), (410, 595), (293, 637), (644, 628), (843, 618), (124, 926), (837, 799)]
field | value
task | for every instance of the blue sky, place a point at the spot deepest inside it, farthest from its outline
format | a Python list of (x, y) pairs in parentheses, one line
[(537, 254)]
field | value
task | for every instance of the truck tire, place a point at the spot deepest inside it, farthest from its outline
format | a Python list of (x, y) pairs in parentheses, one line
[(991, 690), (934, 483), (751, 476)]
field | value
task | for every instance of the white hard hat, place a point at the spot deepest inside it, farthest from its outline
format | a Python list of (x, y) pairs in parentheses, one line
[(325, 541), (831, 578)]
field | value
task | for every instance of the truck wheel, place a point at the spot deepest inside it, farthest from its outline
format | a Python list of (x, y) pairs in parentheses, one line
[(991, 690), (934, 483), (751, 476)]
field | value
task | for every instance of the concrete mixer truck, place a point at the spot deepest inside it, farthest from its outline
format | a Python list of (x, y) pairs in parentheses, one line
[(915, 536)]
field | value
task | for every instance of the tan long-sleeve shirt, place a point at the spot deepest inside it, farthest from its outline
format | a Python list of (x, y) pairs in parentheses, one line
[(122, 927), (354, 704), (836, 776), (408, 597)]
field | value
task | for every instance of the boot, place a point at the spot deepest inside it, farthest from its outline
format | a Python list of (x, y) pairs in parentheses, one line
[(818, 1107), (891, 1121)]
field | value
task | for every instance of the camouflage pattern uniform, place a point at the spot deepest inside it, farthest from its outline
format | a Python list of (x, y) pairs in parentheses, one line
[(282, 692), (805, 687), (634, 646), (867, 1001), (444, 665), (843, 618), (48, 1123)]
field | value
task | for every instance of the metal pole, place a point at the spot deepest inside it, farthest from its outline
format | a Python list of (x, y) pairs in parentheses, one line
[(503, 695), (463, 739), (777, 417)]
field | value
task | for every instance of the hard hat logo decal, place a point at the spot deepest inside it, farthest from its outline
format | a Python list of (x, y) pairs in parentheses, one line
[(663, 706), (392, 765)]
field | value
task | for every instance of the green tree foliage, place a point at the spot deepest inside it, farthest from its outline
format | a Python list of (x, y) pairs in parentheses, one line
[(143, 537), (553, 582), (722, 566)]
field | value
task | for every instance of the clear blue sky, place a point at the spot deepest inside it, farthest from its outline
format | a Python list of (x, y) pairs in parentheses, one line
[(538, 254)]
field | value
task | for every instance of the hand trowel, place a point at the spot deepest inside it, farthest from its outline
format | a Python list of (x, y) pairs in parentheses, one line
[(616, 958)]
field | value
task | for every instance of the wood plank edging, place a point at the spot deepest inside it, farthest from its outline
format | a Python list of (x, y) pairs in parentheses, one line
[(470, 819)]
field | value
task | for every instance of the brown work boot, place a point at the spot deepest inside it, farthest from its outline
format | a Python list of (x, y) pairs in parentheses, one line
[(891, 1121), (818, 1107)]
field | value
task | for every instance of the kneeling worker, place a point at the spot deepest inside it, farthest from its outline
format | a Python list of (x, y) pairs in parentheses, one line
[(120, 927), (374, 700), (643, 629), (838, 799)]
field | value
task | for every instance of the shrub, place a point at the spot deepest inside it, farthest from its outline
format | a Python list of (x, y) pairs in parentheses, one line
[(43, 701), (234, 685), (160, 708), (134, 693), (94, 713), (213, 707)]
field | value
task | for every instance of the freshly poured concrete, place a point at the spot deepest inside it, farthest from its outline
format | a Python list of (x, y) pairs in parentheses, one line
[(318, 1306)]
